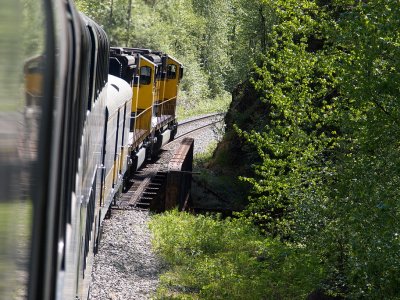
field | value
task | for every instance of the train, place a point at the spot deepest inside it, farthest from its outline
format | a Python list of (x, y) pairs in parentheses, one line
[(77, 119)]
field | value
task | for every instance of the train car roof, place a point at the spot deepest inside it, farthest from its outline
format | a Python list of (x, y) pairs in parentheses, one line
[(118, 92), (153, 57), (173, 58), (148, 60), (138, 50), (128, 59)]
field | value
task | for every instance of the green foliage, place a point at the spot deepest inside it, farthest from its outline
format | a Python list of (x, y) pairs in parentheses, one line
[(328, 174), (300, 127), (200, 159), (252, 21), (33, 28), (366, 204), (186, 109), (228, 191), (210, 258), (15, 234)]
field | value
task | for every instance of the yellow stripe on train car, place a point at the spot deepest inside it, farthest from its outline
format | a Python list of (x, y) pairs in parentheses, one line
[(108, 182)]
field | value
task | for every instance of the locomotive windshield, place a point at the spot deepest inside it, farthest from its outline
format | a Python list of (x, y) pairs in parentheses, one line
[(145, 75), (171, 72)]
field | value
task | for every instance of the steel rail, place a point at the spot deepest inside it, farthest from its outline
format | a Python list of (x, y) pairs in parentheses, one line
[(201, 118), (193, 130)]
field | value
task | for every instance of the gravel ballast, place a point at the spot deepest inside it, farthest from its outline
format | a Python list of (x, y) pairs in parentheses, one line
[(125, 267)]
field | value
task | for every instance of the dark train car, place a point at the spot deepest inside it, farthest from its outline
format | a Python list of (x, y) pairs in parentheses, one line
[(69, 132), (51, 135)]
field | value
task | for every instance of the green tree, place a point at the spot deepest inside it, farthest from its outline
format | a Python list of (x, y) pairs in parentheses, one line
[(251, 23), (366, 205), (297, 129), (327, 139)]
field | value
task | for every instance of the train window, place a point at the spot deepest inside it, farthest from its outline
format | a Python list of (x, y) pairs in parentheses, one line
[(22, 115), (171, 72), (92, 74), (180, 72), (115, 87), (145, 75)]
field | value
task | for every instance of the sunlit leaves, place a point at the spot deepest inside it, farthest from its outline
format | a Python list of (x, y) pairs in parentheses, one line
[(297, 84), (329, 148)]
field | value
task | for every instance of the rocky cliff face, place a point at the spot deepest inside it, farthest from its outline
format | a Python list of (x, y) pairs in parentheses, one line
[(233, 155)]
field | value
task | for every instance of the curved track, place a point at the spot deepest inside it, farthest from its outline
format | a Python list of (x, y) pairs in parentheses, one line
[(191, 127), (141, 185)]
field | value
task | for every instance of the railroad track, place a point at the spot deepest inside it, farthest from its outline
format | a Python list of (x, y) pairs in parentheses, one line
[(148, 184), (187, 127), (201, 118), (144, 186)]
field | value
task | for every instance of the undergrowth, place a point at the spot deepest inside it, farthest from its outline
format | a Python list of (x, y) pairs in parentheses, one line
[(213, 258), (187, 109), (200, 160), (228, 189)]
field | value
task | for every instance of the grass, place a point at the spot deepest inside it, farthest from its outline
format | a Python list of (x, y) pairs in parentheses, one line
[(206, 106), (213, 258), (208, 257)]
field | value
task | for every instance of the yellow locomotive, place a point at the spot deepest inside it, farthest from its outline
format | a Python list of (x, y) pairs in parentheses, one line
[(154, 77), (140, 120)]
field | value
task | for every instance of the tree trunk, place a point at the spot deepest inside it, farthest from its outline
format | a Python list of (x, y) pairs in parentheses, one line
[(129, 23), (263, 30)]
